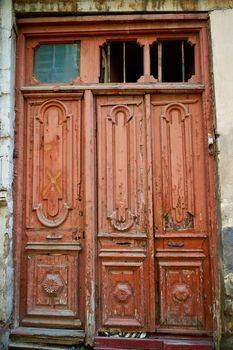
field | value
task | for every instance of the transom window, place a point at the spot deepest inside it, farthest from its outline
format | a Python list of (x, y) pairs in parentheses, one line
[(57, 63), (132, 61)]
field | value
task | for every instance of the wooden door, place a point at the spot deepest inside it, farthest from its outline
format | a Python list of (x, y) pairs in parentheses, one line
[(53, 254), (125, 242), (153, 256), (113, 216), (180, 197)]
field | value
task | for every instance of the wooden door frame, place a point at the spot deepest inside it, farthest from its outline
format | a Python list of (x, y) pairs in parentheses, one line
[(32, 30)]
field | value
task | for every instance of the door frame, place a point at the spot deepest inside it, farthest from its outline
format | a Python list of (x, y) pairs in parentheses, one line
[(34, 29)]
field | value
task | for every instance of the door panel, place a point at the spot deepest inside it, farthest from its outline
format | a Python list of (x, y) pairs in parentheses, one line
[(123, 262), (122, 295), (179, 181), (180, 213), (53, 241), (181, 291), (50, 286), (121, 165)]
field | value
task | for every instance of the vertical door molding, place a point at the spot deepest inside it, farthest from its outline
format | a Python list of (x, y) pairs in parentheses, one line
[(210, 160), (90, 225), (150, 217), (20, 128)]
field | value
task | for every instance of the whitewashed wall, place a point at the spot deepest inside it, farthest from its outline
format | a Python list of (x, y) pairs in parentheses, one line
[(7, 107), (221, 23)]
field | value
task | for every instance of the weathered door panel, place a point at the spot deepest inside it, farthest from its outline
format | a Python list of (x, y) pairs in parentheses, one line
[(179, 181), (53, 236), (181, 290), (123, 263), (180, 213)]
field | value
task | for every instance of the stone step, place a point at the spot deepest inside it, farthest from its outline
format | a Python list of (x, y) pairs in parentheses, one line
[(111, 343)]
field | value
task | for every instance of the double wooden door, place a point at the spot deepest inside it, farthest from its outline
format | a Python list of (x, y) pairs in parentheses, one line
[(152, 232), (124, 246)]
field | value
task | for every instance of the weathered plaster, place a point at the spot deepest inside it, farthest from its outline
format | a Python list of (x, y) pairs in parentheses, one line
[(222, 38), (7, 73), (79, 6), (222, 48)]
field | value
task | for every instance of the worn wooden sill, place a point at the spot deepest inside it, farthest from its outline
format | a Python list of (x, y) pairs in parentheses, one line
[(118, 88), (47, 336)]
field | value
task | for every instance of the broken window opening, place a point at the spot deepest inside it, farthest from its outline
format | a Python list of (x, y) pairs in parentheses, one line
[(172, 61), (121, 62)]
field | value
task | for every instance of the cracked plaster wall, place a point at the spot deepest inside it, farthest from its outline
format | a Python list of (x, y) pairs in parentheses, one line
[(7, 74)]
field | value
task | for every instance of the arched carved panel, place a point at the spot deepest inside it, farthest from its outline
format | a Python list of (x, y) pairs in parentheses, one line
[(52, 163), (121, 158), (177, 167), (120, 214)]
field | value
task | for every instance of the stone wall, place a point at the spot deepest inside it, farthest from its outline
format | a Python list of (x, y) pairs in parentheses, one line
[(106, 6), (222, 49), (7, 74)]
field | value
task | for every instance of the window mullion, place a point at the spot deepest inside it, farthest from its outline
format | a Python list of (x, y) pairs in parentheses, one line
[(160, 61), (124, 66)]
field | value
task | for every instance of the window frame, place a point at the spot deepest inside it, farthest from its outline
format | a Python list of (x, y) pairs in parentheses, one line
[(92, 37)]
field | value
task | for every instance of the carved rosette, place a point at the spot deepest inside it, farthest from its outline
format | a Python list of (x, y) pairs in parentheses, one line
[(177, 167), (122, 292), (120, 215), (52, 163), (180, 293), (52, 285)]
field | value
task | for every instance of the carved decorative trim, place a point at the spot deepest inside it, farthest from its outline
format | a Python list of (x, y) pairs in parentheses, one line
[(186, 224), (124, 222), (52, 222)]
